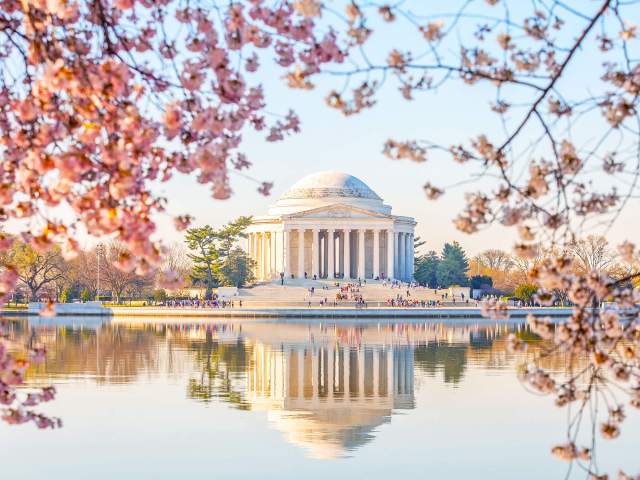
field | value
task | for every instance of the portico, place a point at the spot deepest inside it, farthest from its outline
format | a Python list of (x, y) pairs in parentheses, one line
[(331, 225)]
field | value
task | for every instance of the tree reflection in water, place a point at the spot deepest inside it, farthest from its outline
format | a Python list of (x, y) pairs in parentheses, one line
[(222, 366), (327, 386)]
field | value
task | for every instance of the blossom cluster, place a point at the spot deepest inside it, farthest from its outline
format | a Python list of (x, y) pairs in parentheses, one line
[(16, 407), (109, 97), (100, 99), (599, 340)]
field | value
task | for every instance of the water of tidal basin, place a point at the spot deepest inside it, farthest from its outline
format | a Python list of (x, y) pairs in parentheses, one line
[(312, 400)]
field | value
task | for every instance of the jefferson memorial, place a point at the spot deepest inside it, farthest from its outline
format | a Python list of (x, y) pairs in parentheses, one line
[(331, 225)]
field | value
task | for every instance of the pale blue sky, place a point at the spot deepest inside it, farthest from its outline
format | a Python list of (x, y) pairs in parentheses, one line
[(330, 141), (453, 114)]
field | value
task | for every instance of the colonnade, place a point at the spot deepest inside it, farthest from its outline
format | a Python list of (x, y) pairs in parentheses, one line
[(331, 372), (348, 253)]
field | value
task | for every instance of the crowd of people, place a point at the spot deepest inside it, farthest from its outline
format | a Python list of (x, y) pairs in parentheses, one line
[(406, 302), (353, 293), (349, 294), (200, 303)]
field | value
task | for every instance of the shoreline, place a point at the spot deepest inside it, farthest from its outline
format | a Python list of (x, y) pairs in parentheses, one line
[(284, 312)]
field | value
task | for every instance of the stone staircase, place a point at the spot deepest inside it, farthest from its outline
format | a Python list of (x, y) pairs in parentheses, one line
[(295, 292)]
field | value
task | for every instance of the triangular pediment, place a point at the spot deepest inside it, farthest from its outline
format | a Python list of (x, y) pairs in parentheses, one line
[(337, 211)]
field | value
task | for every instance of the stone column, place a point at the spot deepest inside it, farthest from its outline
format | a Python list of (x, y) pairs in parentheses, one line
[(315, 254), (325, 250), (396, 250), (347, 253), (250, 247), (376, 253), (286, 259), (257, 254), (401, 261), (273, 264), (390, 254), (340, 255), (301, 253), (264, 257), (361, 262), (331, 256), (407, 256), (267, 256), (411, 256), (282, 251)]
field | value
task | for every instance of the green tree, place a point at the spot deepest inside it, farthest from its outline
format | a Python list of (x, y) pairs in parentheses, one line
[(210, 249), (66, 294), (481, 281), (228, 235), (417, 243), (526, 291), (453, 266), (159, 295), (236, 271), (426, 269), (85, 294), (202, 243)]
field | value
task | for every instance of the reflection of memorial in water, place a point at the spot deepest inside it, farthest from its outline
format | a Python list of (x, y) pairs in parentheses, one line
[(327, 387), (330, 398)]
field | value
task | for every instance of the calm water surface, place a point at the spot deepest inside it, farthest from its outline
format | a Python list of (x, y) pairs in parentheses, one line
[(312, 400)]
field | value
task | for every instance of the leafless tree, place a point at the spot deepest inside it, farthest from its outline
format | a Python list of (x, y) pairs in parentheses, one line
[(175, 259), (85, 268), (118, 280), (495, 259), (592, 254)]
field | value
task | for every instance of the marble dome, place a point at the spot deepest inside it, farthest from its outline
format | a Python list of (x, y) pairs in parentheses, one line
[(328, 188), (330, 184)]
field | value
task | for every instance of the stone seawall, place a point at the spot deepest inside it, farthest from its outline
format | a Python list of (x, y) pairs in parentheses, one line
[(331, 312), (283, 312)]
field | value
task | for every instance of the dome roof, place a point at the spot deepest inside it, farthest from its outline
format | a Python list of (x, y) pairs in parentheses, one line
[(330, 184), (328, 188)]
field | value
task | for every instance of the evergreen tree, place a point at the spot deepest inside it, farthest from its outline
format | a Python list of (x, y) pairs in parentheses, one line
[(202, 242), (236, 271), (481, 282), (426, 269), (228, 235), (210, 250), (417, 243), (453, 266)]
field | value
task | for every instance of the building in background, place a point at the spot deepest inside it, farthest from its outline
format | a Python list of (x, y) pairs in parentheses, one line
[(331, 225)]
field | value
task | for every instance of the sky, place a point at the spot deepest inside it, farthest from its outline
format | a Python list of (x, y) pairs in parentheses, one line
[(331, 141), (452, 114)]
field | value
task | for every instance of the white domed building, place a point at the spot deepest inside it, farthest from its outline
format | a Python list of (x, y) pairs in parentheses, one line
[(331, 225)]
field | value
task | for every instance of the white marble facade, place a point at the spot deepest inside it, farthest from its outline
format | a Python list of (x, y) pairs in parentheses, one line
[(331, 225)]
